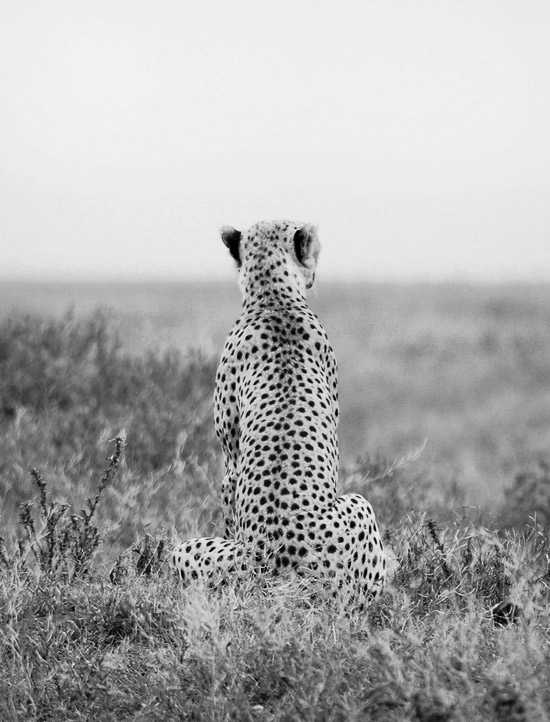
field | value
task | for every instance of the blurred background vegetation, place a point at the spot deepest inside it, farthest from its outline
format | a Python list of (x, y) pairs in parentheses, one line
[(444, 393)]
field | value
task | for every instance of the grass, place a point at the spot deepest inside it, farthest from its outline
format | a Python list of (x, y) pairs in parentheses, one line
[(104, 452)]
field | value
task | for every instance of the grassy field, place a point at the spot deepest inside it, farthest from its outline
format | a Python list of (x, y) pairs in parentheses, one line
[(445, 396)]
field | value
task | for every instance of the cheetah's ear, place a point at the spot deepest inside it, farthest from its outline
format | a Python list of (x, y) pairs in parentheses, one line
[(307, 246), (232, 239)]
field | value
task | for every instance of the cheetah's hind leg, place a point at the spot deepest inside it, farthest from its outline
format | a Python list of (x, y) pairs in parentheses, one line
[(342, 549), (209, 558)]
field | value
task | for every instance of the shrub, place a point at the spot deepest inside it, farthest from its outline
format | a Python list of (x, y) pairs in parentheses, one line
[(61, 543)]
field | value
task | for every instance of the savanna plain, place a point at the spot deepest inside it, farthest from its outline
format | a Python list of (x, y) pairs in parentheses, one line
[(108, 453)]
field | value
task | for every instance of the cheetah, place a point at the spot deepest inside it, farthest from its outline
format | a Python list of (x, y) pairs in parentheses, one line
[(276, 415)]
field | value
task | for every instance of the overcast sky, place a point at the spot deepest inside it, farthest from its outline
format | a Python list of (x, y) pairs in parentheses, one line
[(415, 134)]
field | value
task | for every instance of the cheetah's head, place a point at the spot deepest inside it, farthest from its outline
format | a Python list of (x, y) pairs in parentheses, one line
[(274, 253)]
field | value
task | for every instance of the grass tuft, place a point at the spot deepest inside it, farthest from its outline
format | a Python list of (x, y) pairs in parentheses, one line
[(61, 543)]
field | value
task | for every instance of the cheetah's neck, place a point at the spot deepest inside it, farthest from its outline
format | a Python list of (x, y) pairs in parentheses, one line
[(272, 283)]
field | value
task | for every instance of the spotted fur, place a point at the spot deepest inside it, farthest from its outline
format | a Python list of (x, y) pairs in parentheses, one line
[(276, 415)]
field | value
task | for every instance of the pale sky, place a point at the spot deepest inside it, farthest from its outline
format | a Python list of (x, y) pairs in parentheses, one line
[(416, 135)]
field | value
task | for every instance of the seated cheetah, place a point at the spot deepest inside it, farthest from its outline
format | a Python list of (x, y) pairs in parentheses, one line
[(276, 413)]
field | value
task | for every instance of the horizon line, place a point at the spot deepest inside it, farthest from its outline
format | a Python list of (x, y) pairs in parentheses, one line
[(458, 280)]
